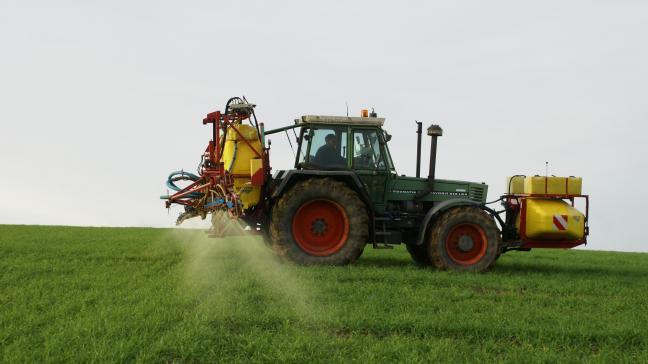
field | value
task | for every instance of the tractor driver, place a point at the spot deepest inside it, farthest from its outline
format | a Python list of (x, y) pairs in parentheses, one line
[(327, 155)]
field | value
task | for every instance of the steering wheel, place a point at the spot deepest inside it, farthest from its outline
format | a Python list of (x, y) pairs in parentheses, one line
[(380, 163), (378, 157), (366, 156)]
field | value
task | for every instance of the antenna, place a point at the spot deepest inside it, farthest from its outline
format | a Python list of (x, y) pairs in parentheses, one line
[(546, 169), (347, 107)]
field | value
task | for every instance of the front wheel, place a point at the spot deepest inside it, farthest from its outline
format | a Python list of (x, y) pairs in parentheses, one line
[(464, 239)]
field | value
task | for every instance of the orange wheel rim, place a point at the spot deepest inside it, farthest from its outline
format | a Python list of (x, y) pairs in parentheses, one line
[(466, 244), (320, 227)]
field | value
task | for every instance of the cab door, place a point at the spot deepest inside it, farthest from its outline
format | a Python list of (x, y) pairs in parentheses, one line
[(371, 163)]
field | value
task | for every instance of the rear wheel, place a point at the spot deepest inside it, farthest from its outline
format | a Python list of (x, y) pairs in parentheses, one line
[(464, 239), (319, 221)]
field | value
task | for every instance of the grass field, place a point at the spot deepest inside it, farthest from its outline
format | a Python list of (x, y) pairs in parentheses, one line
[(162, 295)]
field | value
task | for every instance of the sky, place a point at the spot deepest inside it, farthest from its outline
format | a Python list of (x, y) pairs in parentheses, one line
[(100, 100)]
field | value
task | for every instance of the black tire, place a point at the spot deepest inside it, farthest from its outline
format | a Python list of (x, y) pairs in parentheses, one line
[(464, 239), (419, 254), (296, 234)]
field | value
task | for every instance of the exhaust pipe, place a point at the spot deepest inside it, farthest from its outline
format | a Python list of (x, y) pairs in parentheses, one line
[(419, 131), (435, 132)]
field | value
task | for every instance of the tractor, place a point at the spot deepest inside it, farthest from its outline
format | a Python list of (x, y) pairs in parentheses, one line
[(344, 194)]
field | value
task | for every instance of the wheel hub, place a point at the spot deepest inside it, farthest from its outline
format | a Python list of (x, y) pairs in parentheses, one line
[(465, 243), (318, 227)]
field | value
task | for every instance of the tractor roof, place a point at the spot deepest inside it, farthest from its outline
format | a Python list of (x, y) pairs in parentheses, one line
[(343, 120)]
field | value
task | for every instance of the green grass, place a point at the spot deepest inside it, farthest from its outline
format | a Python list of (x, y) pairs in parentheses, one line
[(160, 295)]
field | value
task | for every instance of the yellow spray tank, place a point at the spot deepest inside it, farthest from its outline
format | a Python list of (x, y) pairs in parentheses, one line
[(547, 216), (241, 160)]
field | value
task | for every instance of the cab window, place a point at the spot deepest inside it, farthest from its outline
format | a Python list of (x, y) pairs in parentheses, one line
[(367, 150), (326, 147)]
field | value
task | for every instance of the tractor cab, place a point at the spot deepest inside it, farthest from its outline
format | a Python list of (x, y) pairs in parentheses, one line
[(357, 144), (340, 142)]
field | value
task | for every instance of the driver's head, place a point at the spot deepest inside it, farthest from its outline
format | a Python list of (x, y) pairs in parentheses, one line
[(331, 140)]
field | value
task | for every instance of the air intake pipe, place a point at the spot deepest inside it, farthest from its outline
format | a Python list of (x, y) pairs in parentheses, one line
[(435, 132)]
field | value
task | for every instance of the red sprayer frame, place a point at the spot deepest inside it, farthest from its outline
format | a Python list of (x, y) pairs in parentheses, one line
[(215, 183)]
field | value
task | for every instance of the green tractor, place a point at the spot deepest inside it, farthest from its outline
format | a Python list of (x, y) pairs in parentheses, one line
[(344, 194)]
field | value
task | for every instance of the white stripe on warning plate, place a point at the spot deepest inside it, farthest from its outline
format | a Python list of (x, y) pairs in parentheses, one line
[(560, 222)]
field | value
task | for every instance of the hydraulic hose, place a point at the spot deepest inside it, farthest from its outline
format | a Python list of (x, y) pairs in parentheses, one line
[(182, 176)]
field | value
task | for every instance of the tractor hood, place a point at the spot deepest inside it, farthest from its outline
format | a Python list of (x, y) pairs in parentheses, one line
[(405, 188)]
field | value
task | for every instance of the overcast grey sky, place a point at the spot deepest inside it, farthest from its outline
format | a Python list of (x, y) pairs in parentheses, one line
[(100, 100)]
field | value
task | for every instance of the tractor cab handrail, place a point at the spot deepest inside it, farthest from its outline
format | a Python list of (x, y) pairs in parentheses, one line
[(278, 130)]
